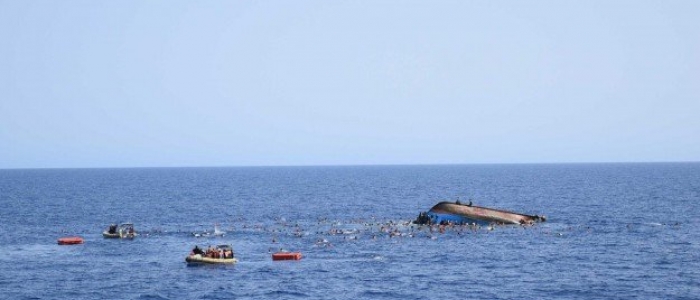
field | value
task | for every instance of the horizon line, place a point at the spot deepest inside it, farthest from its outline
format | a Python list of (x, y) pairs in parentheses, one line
[(352, 165)]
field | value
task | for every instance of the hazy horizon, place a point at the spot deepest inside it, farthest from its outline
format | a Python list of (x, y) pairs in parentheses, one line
[(361, 165)]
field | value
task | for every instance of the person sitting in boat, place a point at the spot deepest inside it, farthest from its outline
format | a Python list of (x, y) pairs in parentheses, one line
[(197, 250), (112, 229)]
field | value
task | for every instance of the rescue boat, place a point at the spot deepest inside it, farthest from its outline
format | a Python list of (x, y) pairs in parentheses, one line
[(120, 231), (221, 254)]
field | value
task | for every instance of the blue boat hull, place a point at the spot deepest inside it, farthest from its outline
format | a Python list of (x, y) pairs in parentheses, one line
[(440, 218)]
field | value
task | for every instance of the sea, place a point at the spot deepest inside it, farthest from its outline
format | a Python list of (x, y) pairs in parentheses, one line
[(613, 231)]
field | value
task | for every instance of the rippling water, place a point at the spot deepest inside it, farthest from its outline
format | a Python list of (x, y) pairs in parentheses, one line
[(613, 231)]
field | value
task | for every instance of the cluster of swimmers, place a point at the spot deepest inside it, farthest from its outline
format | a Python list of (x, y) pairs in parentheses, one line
[(325, 233), (373, 230), (358, 229)]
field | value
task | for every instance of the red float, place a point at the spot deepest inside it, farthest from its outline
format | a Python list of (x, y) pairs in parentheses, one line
[(70, 240), (286, 256)]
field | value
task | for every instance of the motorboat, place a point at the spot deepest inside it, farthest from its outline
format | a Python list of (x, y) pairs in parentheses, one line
[(221, 254), (120, 231)]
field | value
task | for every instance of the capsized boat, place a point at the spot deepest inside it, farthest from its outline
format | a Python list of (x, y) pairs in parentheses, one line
[(221, 254), (460, 213), (120, 231)]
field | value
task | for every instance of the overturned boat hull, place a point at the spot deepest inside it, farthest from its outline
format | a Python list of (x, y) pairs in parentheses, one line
[(466, 214)]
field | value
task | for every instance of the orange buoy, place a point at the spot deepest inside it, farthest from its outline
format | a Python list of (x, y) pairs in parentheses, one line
[(70, 240), (286, 256)]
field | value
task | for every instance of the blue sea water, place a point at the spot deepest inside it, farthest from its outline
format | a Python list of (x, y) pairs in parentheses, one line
[(614, 231)]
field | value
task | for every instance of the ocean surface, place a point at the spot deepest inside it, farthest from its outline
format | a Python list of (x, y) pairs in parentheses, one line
[(613, 231)]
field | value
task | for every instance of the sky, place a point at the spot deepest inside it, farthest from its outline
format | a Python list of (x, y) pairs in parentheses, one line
[(90, 84)]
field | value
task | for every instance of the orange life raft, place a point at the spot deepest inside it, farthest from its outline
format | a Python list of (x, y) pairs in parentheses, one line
[(286, 256), (70, 240)]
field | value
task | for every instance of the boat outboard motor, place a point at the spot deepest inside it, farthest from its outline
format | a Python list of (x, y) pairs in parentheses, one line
[(422, 219)]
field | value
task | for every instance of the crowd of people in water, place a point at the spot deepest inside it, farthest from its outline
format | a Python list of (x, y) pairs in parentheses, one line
[(324, 230), (328, 234), (325, 233)]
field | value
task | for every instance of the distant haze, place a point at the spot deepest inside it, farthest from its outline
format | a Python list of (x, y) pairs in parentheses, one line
[(240, 83)]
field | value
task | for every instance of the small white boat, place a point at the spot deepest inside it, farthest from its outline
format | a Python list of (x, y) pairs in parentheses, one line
[(120, 231)]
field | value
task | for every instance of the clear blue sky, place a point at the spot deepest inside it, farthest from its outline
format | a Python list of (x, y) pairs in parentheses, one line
[(239, 83)]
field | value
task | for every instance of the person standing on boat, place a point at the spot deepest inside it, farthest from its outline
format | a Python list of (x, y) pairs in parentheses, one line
[(197, 250)]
